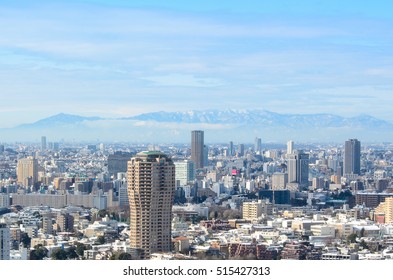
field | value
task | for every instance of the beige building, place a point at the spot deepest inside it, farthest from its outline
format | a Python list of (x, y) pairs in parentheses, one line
[(279, 181), (151, 187), (27, 171), (386, 208), (253, 210)]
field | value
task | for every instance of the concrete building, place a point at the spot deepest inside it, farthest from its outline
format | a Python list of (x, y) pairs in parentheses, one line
[(197, 148), (290, 145), (4, 200), (352, 157), (386, 208), (298, 168), (151, 187), (27, 171), (253, 210), (43, 143), (279, 181), (4, 242), (184, 172), (117, 162)]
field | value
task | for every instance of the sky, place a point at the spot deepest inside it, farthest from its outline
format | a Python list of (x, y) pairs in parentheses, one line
[(123, 58)]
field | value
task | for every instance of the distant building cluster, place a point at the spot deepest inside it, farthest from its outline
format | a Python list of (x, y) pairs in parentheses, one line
[(196, 201)]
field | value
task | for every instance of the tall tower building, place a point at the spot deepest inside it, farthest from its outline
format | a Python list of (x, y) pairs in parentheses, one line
[(4, 242), (290, 147), (197, 148), (352, 157), (231, 149), (43, 143), (240, 150), (151, 188), (298, 168), (27, 171), (257, 145)]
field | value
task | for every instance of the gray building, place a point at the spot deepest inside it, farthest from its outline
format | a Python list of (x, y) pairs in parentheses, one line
[(352, 157), (197, 148)]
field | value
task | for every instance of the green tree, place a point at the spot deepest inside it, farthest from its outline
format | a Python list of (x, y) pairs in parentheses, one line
[(59, 254), (25, 239), (39, 252), (124, 256), (352, 238), (80, 249), (71, 253)]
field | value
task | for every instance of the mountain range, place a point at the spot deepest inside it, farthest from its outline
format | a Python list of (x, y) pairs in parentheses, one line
[(221, 125)]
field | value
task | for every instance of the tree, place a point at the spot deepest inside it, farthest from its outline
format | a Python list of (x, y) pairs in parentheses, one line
[(39, 252), (352, 238), (80, 249), (124, 256), (59, 254), (71, 253), (25, 239)]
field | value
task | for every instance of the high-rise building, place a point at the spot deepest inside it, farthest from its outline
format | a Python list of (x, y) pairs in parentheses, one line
[(240, 150), (231, 149), (27, 171), (279, 181), (4, 242), (290, 147), (43, 143), (257, 145), (197, 148), (117, 162), (386, 208), (352, 157), (185, 172), (151, 188), (298, 168), (65, 222)]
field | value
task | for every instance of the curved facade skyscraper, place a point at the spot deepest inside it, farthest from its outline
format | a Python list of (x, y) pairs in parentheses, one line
[(151, 187)]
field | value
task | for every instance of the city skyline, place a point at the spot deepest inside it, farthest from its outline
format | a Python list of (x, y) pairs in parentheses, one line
[(116, 59)]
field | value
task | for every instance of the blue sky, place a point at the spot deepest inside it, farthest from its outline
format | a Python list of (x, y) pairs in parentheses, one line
[(122, 58)]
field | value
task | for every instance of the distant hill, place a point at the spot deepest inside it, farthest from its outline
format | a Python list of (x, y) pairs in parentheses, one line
[(219, 126)]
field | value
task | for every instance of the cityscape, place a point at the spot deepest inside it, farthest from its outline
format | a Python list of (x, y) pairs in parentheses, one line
[(199, 130), (196, 200)]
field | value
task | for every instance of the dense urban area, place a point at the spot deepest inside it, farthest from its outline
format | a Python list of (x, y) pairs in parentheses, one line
[(257, 201)]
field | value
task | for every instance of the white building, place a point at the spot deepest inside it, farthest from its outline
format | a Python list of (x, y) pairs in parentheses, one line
[(184, 172)]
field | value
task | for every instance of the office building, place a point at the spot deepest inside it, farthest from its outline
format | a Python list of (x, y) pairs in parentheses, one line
[(240, 150), (231, 149), (117, 162), (290, 147), (352, 157), (258, 145), (298, 168), (197, 148), (27, 171), (151, 187), (279, 181), (386, 209), (65, 222), (4, 242), (43, 143), (185, 172)]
